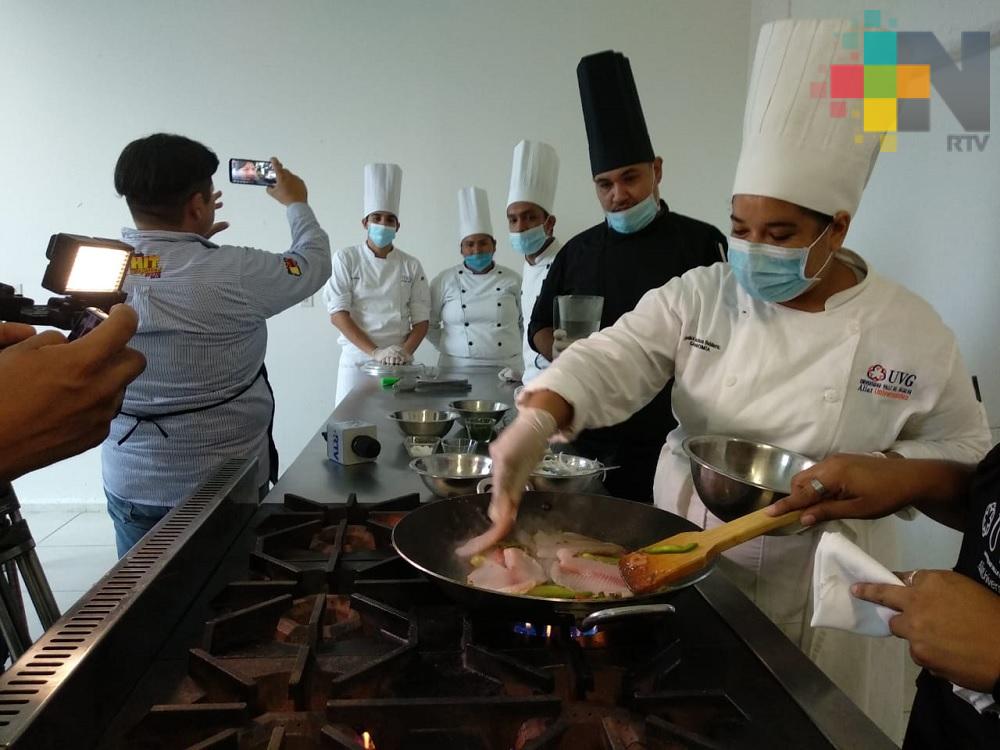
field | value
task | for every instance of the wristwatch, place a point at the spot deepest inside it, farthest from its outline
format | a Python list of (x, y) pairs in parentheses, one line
[(996, 690)]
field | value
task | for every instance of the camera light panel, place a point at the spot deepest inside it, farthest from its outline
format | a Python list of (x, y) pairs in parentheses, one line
[(97, 269)]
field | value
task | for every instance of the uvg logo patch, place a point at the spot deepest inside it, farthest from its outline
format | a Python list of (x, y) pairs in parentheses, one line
[(888, 383)]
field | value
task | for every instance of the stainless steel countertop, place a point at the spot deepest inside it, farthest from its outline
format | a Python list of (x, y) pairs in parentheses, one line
[(313, 476)]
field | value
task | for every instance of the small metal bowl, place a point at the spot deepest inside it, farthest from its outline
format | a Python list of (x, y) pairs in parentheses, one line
[(581, 475), (452, 474), (424, 422), (470, 407), (734, 477)]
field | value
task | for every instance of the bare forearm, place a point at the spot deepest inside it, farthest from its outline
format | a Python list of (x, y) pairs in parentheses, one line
[(417, 334), (543, 342), (554, 404), (344, 323)]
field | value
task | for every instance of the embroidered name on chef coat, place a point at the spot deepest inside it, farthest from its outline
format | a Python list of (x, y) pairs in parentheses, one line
[(145, 265), (888, 383), (703, 344)]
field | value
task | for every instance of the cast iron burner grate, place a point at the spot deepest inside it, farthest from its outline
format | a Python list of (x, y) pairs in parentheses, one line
[(334, 637)]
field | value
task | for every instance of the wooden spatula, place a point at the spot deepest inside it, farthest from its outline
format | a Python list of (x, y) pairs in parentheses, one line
[(645, 573)]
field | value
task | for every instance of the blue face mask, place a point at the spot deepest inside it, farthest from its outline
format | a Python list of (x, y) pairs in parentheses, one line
[(772, 273), (381, 235), (631, 220), (529, 241), (479, 262)]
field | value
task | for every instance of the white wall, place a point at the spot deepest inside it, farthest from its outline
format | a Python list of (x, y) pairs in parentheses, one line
[(443, 87)]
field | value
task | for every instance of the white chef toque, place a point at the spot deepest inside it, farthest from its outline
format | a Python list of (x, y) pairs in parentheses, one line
[(533, 175), (473, 213), (793, 148), (382, 186)]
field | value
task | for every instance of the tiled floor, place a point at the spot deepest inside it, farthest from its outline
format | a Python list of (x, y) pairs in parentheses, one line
[(75, 550)]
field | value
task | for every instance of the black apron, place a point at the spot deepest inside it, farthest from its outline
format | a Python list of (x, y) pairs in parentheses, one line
[(154, 419), (940, 719)]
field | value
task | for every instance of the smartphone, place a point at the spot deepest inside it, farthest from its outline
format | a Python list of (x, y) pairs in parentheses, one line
[(252, 172), (86, 322)]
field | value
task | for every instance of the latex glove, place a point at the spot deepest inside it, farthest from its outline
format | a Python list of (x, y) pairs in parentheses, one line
[(516, 453), (387, 356), (401, 352), (559, 343), (510, 375)]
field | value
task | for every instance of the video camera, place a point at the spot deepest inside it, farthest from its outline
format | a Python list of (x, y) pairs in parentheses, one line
[(89, 271)]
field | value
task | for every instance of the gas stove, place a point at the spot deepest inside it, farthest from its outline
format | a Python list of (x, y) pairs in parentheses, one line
[(330, 640)]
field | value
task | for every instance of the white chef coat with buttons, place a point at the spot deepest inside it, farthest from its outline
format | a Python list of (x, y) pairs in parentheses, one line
[(385, 297), (476, 318), (533, 276), (877, 370)]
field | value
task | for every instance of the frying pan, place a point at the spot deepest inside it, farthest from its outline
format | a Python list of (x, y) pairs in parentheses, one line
[(427, 537)]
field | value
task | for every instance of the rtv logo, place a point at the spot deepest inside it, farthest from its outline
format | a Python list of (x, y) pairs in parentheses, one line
[(892, 73)]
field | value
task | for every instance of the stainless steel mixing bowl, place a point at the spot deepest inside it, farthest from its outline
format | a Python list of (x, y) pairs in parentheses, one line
[(734, 477), (580, 475), (425, 422), (470, 407), (452, 474)]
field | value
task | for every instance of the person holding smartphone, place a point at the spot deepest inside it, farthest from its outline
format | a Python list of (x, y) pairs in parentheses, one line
[(203, 311)]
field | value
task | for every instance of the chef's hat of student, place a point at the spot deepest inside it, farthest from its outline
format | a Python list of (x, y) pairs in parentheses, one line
[(382, 187), (794, 149), (533, 174), (612, 113), (473, 213)]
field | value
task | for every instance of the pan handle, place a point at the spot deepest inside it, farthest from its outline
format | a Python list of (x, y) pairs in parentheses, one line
[(486, 485), (603, 616)]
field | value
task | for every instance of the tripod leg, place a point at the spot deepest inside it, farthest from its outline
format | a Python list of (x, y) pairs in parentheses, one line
[(38, 588), (13, 631)]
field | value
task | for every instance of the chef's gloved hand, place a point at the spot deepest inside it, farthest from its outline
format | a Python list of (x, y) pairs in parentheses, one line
[(387, 356), (510, 375), (401, 352), (516, 453), (559, 343)]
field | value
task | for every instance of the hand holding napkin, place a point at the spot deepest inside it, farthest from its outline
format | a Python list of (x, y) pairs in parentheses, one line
[(838, 565)]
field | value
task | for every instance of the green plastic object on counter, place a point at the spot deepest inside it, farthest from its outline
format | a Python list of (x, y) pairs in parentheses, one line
[(389, 382)]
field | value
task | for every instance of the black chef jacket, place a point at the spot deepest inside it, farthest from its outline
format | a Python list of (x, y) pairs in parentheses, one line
[(622, 268), (939, 718)]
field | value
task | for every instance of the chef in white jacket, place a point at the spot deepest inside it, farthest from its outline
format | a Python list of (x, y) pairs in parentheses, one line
[(531, 224), (476, 305), (378, 297), (796, 341)]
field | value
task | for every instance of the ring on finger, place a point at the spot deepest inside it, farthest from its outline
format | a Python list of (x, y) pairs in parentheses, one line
[(819, 487), (908, 580)]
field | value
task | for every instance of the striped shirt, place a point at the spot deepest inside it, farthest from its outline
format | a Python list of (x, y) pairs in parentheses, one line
[(202, 327)]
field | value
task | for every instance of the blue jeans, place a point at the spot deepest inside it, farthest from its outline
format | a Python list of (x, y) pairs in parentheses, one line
[(132, 520)]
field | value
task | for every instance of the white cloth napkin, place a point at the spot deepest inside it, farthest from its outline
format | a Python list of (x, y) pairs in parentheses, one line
[(838, 565)]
